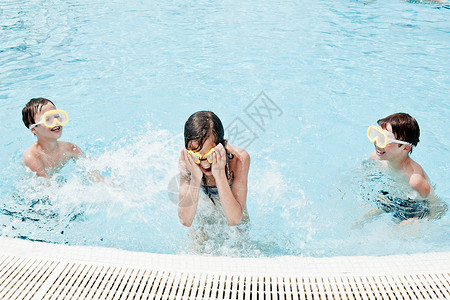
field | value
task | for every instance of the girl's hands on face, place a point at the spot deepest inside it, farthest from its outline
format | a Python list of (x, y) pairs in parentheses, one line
[(219, 161), (188, 166)]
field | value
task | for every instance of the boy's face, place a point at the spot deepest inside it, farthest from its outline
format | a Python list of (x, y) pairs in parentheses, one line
[(392, 151), (43, 131)]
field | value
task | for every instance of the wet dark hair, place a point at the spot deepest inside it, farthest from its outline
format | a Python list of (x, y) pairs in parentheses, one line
[(32, 108), (199, 127), (404, 127)]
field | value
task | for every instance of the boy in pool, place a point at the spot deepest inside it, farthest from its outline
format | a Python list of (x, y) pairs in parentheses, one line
[(47, 155), (394, 140), (209, 163)]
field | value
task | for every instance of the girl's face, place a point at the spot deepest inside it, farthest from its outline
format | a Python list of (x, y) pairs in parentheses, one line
[(392, 150), (204, 165)]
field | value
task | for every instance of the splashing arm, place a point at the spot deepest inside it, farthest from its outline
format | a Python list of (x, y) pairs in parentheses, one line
[(190, 180), (233, 199)]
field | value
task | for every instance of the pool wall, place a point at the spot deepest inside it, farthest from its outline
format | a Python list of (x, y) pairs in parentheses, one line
[(35, 270)]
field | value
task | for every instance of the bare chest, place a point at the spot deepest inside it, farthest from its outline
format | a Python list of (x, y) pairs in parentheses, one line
[(54, 161)]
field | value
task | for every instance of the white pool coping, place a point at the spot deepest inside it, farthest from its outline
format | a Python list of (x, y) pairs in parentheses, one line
[(35, 270)]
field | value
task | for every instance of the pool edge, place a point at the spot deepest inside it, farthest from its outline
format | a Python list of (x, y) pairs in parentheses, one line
[(56, 264)]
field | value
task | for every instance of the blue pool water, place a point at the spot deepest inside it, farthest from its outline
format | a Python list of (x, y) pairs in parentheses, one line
[(129, 74)]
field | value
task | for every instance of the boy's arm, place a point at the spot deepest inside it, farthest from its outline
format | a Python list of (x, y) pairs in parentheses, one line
[(420, 184), (35, 165), (74, 150)]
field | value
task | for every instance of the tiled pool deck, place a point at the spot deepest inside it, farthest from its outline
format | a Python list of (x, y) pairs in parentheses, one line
[(34, 270)]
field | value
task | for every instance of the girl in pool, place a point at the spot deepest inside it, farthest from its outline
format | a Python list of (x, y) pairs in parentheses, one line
[(210, 164)]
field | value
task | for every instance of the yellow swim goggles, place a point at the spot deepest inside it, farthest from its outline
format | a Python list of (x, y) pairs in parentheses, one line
[(198, 157), (382, 137), (52, 118)]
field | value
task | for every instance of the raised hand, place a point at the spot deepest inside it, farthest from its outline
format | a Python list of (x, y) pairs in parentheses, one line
[(219, 162), (188, 167)]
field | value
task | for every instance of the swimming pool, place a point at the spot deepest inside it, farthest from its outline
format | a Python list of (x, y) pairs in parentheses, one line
[(129, 74)]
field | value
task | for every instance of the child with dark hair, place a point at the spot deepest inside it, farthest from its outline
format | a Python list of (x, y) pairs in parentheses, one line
[(48, 154), (394, 140), (414, 197), (210, 164)]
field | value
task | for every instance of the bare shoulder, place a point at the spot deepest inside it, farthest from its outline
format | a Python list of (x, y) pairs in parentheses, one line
[(240, 154), (71, 149), (418, 180), (30, 156), (31, 159), (239, 164), (420, 184)]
